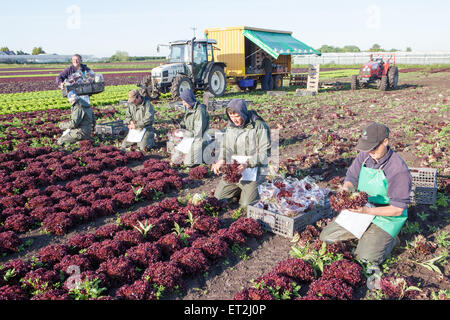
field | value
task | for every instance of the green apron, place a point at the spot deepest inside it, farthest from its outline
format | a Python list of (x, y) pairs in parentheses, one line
[(374, 183)]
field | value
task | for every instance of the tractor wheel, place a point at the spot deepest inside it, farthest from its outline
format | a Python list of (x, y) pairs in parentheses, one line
[(179, 84), (355, 82), (393, 77), (217, 82), (147, 83), (277, 82), (384, 83)]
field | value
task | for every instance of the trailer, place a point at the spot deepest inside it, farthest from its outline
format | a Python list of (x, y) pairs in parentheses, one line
[(242, 50)]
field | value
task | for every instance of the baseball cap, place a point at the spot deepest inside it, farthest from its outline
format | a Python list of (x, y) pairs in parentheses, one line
[(132, 95), (372, 136)]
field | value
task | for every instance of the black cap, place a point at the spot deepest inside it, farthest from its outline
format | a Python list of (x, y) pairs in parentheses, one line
[(372, 136)]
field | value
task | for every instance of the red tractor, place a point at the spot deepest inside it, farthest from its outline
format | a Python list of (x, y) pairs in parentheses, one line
[(381, 70)]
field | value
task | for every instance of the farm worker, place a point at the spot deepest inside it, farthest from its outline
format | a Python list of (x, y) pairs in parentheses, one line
[(140, 115), (76, 66), (267, 66), (196, 123), (383, 175), (82, 121), (246, 135)]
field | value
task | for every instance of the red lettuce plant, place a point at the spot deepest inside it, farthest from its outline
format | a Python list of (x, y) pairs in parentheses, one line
[(207, 225), (139, 290), (52, 254), (13, 292), (345, 200), (335, 289), (9, 242), (17, 269), (170, 243), (198, 173), (129, 237), (19, 223), (213, 247), (230, 172), (248, 226), (120, 269), (253, 294), (39, 280), (164, 273), (80, 260), (80, 241), (398, 287), (348, 271), (297, 269), (191, 260), (107, 249), (106, 231), (144, 254), (58, 223), (54, 294)]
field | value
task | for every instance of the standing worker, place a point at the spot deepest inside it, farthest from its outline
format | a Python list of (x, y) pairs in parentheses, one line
[(76, 66), (196, 123), (384, 176), (140, 115), (267, 66), (246, 135), (82, 121)]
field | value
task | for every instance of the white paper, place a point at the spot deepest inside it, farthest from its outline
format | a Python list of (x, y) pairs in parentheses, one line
[(240, 159), (354, 222), (65, 132), (185, 145), (249, 174), (135, 135)]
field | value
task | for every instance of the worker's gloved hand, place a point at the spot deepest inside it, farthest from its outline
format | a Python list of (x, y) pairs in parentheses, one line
[(63, 125)]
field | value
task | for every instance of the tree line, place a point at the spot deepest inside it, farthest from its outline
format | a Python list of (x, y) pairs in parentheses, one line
[(350, 48)]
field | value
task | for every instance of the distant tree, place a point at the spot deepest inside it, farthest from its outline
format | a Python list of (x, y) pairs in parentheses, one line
[(408, 49), (350, 48), (326, 48), (4, 49), (120, 56), (376, 48), (21, 52), (37, 50), (393, 50)]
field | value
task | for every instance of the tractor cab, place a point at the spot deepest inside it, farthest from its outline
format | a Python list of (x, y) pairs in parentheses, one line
[(380, 69), (190, 66)]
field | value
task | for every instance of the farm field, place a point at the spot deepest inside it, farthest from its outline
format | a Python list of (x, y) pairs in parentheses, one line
[(131, 224)]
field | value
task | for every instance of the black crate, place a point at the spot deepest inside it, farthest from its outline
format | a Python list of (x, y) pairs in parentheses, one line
[(84, 88), (111, 128)]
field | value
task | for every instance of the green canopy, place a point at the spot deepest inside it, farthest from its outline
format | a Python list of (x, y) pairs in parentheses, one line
[(277, 44)]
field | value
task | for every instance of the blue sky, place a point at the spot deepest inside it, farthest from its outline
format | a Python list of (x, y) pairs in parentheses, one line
[(103, 27)]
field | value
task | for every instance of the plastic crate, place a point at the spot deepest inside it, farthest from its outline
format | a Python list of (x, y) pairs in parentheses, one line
[(84, 88), (112, 128), (424, 185), (284, 225), (245, 83)]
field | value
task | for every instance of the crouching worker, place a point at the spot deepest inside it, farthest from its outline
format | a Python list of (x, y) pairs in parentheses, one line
[(195, 123), (139, 116), (383, 175), (247, 136), (82, 121)]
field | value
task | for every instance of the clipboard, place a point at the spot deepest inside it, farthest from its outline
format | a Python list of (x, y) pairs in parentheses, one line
[(135, 135), (354, 222)]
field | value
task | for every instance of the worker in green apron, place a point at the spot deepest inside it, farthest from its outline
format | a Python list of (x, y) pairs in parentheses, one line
[(384, 176)]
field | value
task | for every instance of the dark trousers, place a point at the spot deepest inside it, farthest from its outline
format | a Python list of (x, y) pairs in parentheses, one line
[(268, 83)]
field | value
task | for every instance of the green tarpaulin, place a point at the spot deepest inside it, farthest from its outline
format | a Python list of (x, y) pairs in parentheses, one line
[(277, 44)]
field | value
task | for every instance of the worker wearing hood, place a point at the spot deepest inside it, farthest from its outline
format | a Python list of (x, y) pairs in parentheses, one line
[(195, 123), (82, 121), (246, 135)]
